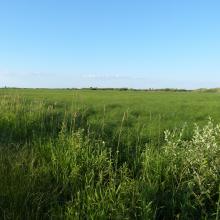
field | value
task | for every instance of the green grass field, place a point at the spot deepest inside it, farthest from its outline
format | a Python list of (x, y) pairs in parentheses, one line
[(92, 154)]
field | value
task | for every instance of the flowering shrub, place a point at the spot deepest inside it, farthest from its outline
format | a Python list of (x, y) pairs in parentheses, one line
[(186, 173)]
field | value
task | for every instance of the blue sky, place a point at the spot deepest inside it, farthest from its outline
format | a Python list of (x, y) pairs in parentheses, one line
[(110, 43)]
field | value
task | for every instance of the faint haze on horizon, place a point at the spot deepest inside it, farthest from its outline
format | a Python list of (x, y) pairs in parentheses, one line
[(117, 43)]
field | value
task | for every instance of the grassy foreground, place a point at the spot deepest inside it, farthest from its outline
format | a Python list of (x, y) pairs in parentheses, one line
[(105, 155)]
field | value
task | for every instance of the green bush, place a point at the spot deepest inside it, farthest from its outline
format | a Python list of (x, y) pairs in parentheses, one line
[(183, 177)]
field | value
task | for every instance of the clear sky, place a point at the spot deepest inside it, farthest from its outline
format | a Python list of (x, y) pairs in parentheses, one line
[(110, 43)]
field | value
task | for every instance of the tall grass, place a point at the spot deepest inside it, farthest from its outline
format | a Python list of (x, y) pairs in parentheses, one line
[(54, 165)]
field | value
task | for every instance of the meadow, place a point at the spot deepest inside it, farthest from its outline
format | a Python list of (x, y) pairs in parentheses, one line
[(92, 154)]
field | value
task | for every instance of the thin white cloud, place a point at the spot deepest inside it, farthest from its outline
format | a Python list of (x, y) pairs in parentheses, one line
[(62, 80)]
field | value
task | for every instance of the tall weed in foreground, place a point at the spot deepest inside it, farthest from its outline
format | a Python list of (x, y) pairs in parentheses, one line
[(71, 177)]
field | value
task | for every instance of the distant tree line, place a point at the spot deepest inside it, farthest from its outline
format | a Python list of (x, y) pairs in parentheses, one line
[(146, 90), (125, 89)]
